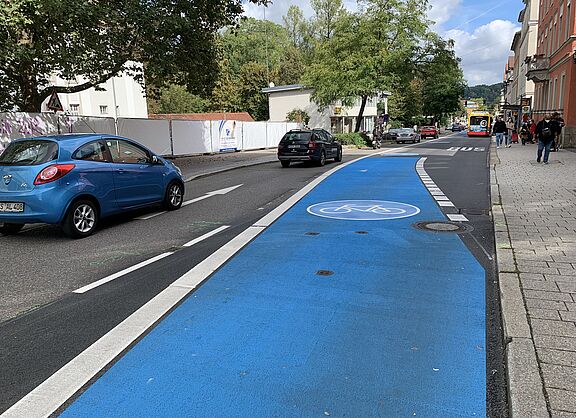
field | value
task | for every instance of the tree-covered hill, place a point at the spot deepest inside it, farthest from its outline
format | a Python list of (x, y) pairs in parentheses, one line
[(490, 93)]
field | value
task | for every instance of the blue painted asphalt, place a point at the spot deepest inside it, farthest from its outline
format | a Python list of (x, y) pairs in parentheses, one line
[(397, 331)]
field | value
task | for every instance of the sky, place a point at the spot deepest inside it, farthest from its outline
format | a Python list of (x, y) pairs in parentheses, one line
[(482, 30)]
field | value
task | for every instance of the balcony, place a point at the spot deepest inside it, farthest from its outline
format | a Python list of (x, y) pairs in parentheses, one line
[(538, 68)]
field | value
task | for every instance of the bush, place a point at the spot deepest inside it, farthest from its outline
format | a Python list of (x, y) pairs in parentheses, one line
[(355, 139)]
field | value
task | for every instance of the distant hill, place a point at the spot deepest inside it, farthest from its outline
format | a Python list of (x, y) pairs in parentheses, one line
[(490, 93)]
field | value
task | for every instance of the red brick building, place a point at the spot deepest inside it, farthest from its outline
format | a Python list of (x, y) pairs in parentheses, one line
[(553, 69)]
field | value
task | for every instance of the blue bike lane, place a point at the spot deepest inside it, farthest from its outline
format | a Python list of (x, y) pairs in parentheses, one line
[(394, 327)]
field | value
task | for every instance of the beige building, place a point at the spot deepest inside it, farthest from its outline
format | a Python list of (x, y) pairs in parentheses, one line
[(335, 118), (524, 45), (119, 97)]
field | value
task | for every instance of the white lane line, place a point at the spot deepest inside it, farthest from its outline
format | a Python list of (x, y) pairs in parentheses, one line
[(121, 273), (206, 236), (447, 204), (191, 201), (441, 199), (457, 218), (46, 398)]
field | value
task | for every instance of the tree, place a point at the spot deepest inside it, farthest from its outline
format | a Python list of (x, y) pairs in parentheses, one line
[(176, 99), (326, 14), (291, 67), (366, 51), (298, 115), (254, 78), (294, 23), (95, 40)]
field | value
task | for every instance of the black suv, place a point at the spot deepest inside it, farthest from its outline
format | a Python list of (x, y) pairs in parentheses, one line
[(315, 145)]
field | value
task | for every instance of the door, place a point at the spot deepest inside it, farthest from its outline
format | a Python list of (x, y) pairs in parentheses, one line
[(137, 181)]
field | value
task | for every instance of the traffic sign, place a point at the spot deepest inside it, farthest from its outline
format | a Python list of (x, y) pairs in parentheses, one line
[(54, 103)]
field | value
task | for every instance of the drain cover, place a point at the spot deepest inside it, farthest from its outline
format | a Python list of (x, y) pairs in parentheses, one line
[(312, 234), (324, 273), (361, 232), (435, 226)]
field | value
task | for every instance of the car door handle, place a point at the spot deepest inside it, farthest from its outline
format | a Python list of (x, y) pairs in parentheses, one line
[(121, 171)]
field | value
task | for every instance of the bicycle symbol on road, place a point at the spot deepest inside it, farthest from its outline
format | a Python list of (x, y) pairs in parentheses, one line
[(363, 210)]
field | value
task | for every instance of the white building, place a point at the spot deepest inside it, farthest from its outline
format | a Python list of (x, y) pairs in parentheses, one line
[(121, 97), (525, 45), (335, 118)]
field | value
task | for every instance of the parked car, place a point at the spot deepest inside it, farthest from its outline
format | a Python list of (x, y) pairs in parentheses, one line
[(316, 145), (403, 135), (456, 127), (429, 131), (76, 180)]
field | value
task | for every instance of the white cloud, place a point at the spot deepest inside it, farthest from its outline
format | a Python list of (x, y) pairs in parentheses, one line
[(484, 51), (443, 10)]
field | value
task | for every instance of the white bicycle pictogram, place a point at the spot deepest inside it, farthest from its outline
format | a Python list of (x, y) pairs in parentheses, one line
[(363, 210), (349, 208)]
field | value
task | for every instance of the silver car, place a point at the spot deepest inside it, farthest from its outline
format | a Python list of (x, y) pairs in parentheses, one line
[(403, 135)]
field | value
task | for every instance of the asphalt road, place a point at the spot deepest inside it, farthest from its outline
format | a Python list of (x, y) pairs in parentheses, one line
[(43, 324)]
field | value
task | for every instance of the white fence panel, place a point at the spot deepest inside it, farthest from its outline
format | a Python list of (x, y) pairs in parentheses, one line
[(191, 137), (254, 135), (154, 134), (89, 125), (274, 133), (226, 135)]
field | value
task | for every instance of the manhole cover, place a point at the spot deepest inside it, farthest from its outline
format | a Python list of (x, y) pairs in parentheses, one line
[(324, 273), (435, 226)]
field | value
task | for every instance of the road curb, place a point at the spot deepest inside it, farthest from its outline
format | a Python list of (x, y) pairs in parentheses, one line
[(223, 170), (525, 387)]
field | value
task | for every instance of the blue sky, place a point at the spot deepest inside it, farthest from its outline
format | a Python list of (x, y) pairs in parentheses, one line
[(482, 30)]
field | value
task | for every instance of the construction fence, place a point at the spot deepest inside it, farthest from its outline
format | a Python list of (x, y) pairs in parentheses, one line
[(165, 137)]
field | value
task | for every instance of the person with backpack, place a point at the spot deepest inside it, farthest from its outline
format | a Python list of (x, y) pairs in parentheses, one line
[(546, 132), (500, 130)]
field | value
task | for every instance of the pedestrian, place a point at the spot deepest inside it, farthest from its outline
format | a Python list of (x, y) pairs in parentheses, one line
[(500, 129), (546, 131), (559, 121)]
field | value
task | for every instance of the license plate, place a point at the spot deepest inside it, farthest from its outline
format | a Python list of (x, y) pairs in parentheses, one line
[(11, 207), (293, 146)]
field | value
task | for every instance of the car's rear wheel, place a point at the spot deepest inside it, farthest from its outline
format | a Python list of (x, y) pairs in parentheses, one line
[(81, 220), (10, 229), (322, 160), (339, 156), (174, 196), (285, 163)]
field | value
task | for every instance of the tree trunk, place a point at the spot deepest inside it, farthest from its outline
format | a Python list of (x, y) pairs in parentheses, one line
[(361, 114)]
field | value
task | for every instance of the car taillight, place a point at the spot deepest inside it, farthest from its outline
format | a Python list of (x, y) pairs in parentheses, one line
[(53, 173), (311, 145)]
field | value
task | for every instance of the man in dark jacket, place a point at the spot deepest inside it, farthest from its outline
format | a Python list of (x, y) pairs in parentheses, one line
[(500, 129), (546, 131)]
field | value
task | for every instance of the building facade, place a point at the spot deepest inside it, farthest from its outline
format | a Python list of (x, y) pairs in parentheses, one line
[(553, 67), (119, 97), (335, 118), (525, 45)]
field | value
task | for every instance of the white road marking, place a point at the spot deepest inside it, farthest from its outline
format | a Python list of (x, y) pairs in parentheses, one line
[(441, 199), (447, 204), (206, 236), (189, 202), (47, 397), (457, 218), (121, 273)]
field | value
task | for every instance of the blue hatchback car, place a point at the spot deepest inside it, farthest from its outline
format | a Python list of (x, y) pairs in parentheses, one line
[(75, 180)]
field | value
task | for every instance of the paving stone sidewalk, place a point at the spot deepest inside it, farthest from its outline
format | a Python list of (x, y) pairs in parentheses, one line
[(534, 208)]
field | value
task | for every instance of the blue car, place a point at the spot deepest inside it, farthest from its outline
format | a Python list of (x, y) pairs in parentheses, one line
[(76, 180)]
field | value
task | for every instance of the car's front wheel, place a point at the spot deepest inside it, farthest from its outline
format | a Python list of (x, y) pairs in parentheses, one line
[(81, 220), (174, 196), (10, 229), (339, 156)]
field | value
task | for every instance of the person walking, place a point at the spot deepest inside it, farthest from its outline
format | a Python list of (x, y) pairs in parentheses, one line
[(559, 121), (500, 129), (546, 131)]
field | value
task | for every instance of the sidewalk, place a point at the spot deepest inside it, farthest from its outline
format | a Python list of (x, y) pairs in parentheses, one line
[(534, 207)]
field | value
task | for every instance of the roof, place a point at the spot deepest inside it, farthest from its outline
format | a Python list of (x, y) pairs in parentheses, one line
[(65, 137), (239, 116), (278, 89)]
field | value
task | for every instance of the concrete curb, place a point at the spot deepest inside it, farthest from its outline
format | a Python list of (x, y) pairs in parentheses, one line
[(525, 387)]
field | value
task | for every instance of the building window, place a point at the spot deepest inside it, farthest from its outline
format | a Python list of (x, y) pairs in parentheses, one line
[(561, 94), (568, 21), (103, 109), (74, 109)]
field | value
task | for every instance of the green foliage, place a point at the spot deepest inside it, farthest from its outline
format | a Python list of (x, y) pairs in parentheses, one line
[(490, 93), (355, 139), (175, 40), (298, 115), (253, 78), (176, 99)]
